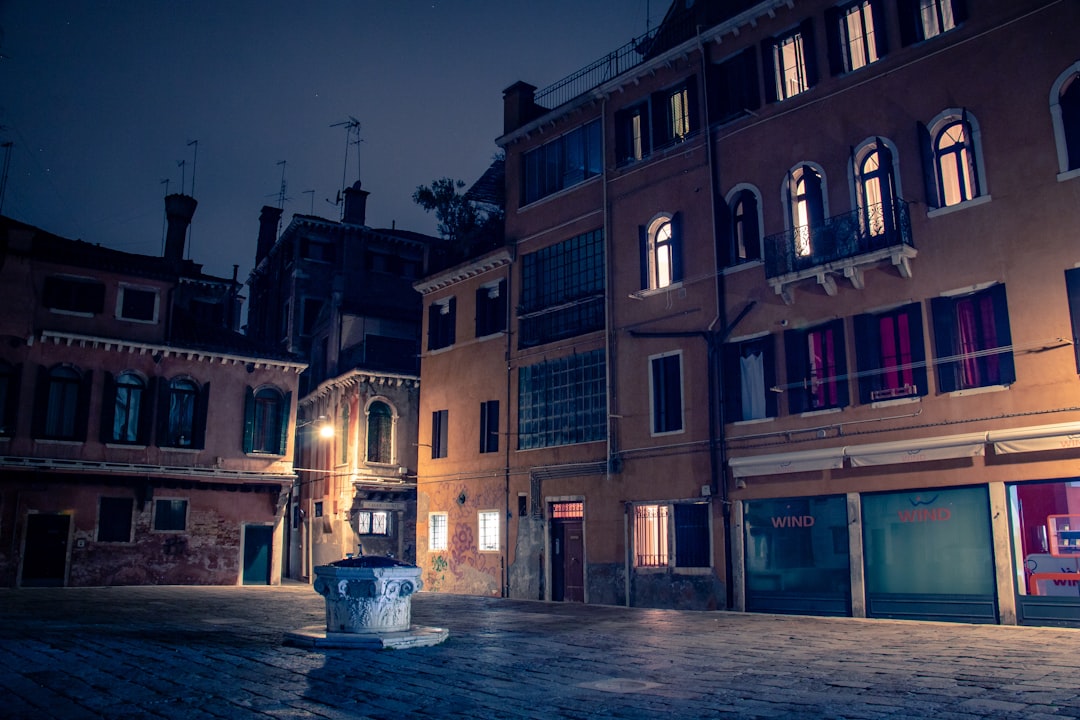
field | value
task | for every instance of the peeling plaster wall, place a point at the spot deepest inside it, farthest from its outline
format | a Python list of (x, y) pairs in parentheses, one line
[(527, 570), (605, 583), (677, 592)]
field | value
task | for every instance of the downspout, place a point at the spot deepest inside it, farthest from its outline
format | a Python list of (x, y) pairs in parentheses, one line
[(506, 448)]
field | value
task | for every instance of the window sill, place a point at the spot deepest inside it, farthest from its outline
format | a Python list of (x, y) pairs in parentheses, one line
[(897, 401), (668, 433), (124, 446), (825, 411), (1069, 175), (650, 292), (58, 441), (739, 267), (261, 454), (937, 212), (491, 336), (979, 390), (755, 421), (189, 451)]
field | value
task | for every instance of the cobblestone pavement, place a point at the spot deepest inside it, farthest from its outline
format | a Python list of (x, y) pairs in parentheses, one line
[(200, 653)]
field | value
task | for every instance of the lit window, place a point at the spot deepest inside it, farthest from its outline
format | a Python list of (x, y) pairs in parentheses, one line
[(877, 189), (817, 370), (858, 35), (679, 114), (952, 143), (662, 261), (807, 203), (380, 426), (936, 17), (631, 140), (373, 522), (651, 535), (890, 352), (488, 530), (437, 531), (974, 341)]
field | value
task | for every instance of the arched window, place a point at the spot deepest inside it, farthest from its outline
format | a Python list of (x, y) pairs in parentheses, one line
[(661, 250), (951, 159), (1065, 114), (876, 189), (266, 413), (806, 201), (183, 395), (745, 226), (127, 408), (380, 429), (660, 260)]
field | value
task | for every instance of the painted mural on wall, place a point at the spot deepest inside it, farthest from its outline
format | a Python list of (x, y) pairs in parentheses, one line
[(462, 568)]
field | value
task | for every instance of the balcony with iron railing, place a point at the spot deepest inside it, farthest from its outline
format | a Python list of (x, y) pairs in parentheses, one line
[(843, 245)]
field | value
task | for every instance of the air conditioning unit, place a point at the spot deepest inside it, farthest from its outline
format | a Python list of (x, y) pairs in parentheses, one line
[(891, 393)]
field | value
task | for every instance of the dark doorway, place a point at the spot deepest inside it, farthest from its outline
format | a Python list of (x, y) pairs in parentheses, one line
[(567, 552), (45, 556), (257, 542)]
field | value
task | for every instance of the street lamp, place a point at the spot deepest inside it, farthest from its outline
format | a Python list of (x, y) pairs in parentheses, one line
[(324, 430)]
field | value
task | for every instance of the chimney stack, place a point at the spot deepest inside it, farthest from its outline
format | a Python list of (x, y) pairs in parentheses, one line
[(179, 209), (519, 106), (268, 227), (355, 205)]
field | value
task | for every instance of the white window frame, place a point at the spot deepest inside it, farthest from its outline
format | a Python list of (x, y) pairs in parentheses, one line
[(123, 288), (438, 540), (487, 531)]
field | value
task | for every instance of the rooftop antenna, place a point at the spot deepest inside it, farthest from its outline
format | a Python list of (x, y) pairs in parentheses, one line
[(194, 160), (182, 164), (281, 193), (4, 175), (312, 194), (351, 125), (164, 217)]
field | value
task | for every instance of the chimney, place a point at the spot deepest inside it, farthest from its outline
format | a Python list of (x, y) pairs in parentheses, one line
[(518, 106), (179, 209), (268, 227), (355, 205)]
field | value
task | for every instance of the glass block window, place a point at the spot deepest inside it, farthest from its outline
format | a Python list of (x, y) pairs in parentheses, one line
[(562, 290), (562, 401)]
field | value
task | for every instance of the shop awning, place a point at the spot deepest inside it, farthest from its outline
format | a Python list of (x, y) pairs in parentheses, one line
[(1035, 438), (947, 447), (778, 463)]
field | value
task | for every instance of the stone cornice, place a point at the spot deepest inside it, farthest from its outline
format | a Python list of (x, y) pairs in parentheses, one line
[(459, 273)]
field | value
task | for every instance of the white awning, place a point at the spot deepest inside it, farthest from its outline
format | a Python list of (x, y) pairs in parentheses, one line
[(901, 452), (1035, 438), (779, 463)]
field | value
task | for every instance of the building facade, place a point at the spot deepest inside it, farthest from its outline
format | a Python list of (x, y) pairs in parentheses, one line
[(143, 439), (791, 298), (338, 296)]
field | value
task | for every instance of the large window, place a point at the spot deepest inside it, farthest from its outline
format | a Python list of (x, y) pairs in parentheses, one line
[(806, 202), (114, 519), (440, 420), (876, 186), (973, 340), (733, 87), (659, 542), (182, 411), (62, 403), (442, 323), (562, 292), (953, 173), (488, 531), (380, 427), (924, 19), (126, 409), (266, 420), (856, 35), (562, 401), (563, 162), (74, 295), (666, 393), (437, 531), (491, 309), (789, 63), (743, 207), (891, 355), (750, 379), (489, 426), (661, 252), (9, 398), (817, 368)]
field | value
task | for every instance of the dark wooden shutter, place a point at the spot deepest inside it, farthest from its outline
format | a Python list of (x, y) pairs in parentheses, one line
[(643, 253), (806, 30), (768, 354), (677, 247), (747, 79), (834, 38), (918, 348), (908, 11), (147, 404), (969, 138), (867, 355), (11, 402), (249, 419), (930, 183), (284, 413), (161, 412), (41, 403), (943, 310), (815, 201), (731, 382), (768, 69), (108, 408), (843, 391), (959, 11), (1072, 288), (796, 387), (1006, 365), (82, 407), (202, 410), (881, 38), (693, 107)]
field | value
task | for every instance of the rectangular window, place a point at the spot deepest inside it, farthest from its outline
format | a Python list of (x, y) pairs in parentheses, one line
[(489, 426), (562, 292), (114, 519), (491, 309), (651, 536), (856, 37), (666, 386), (317, 250), (890, 354), (439, 422), (437, 531), (925, 19), (632, 133), (657, 526), (170, 515), (76, 295), (562, 401), (312, 307), (817, 368), (1072, 287), (734, 87), (788, 62), (442, 323), (750, 379), (674, 113), (488, 531), (563, 162), (973, 340), (138, 304), (692, 535), (373, 522)]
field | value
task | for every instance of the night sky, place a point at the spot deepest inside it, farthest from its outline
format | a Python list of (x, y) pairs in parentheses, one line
[(102, 101)]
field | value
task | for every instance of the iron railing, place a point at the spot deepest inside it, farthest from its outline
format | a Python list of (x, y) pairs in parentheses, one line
[(840, 237)]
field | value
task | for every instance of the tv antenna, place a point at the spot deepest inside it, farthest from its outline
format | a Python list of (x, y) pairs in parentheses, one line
[(194, 160), (352, 125), (4, 175), (312, 194), (281, 193)]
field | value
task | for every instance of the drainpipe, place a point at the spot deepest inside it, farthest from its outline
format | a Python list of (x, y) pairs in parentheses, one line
[(506, 448)]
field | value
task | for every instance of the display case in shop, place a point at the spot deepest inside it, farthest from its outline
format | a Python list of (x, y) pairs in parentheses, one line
[(1064, 532)]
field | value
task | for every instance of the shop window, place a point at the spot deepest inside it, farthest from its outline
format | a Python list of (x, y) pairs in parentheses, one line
[(138, 304), (952, 166), (170, 515), (437, 531), (489, 426), (789, 63), (632, 134), (671, 535), (73, 295), (114, 519), (373, 522), (266, 420), (973, 340), (666, 393), (442, 323), (1045, 520), (856, 35), (9, 397), (562, 401), (817, 368), (733, 87), (924, 19), (491, 309), (62, 403), (126, 409), (891, 355), (380, 428), (750, 379), (661, 248), (488, 531), (439, 433)]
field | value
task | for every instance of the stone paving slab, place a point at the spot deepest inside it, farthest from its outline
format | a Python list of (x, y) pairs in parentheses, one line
[(198, 653)]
